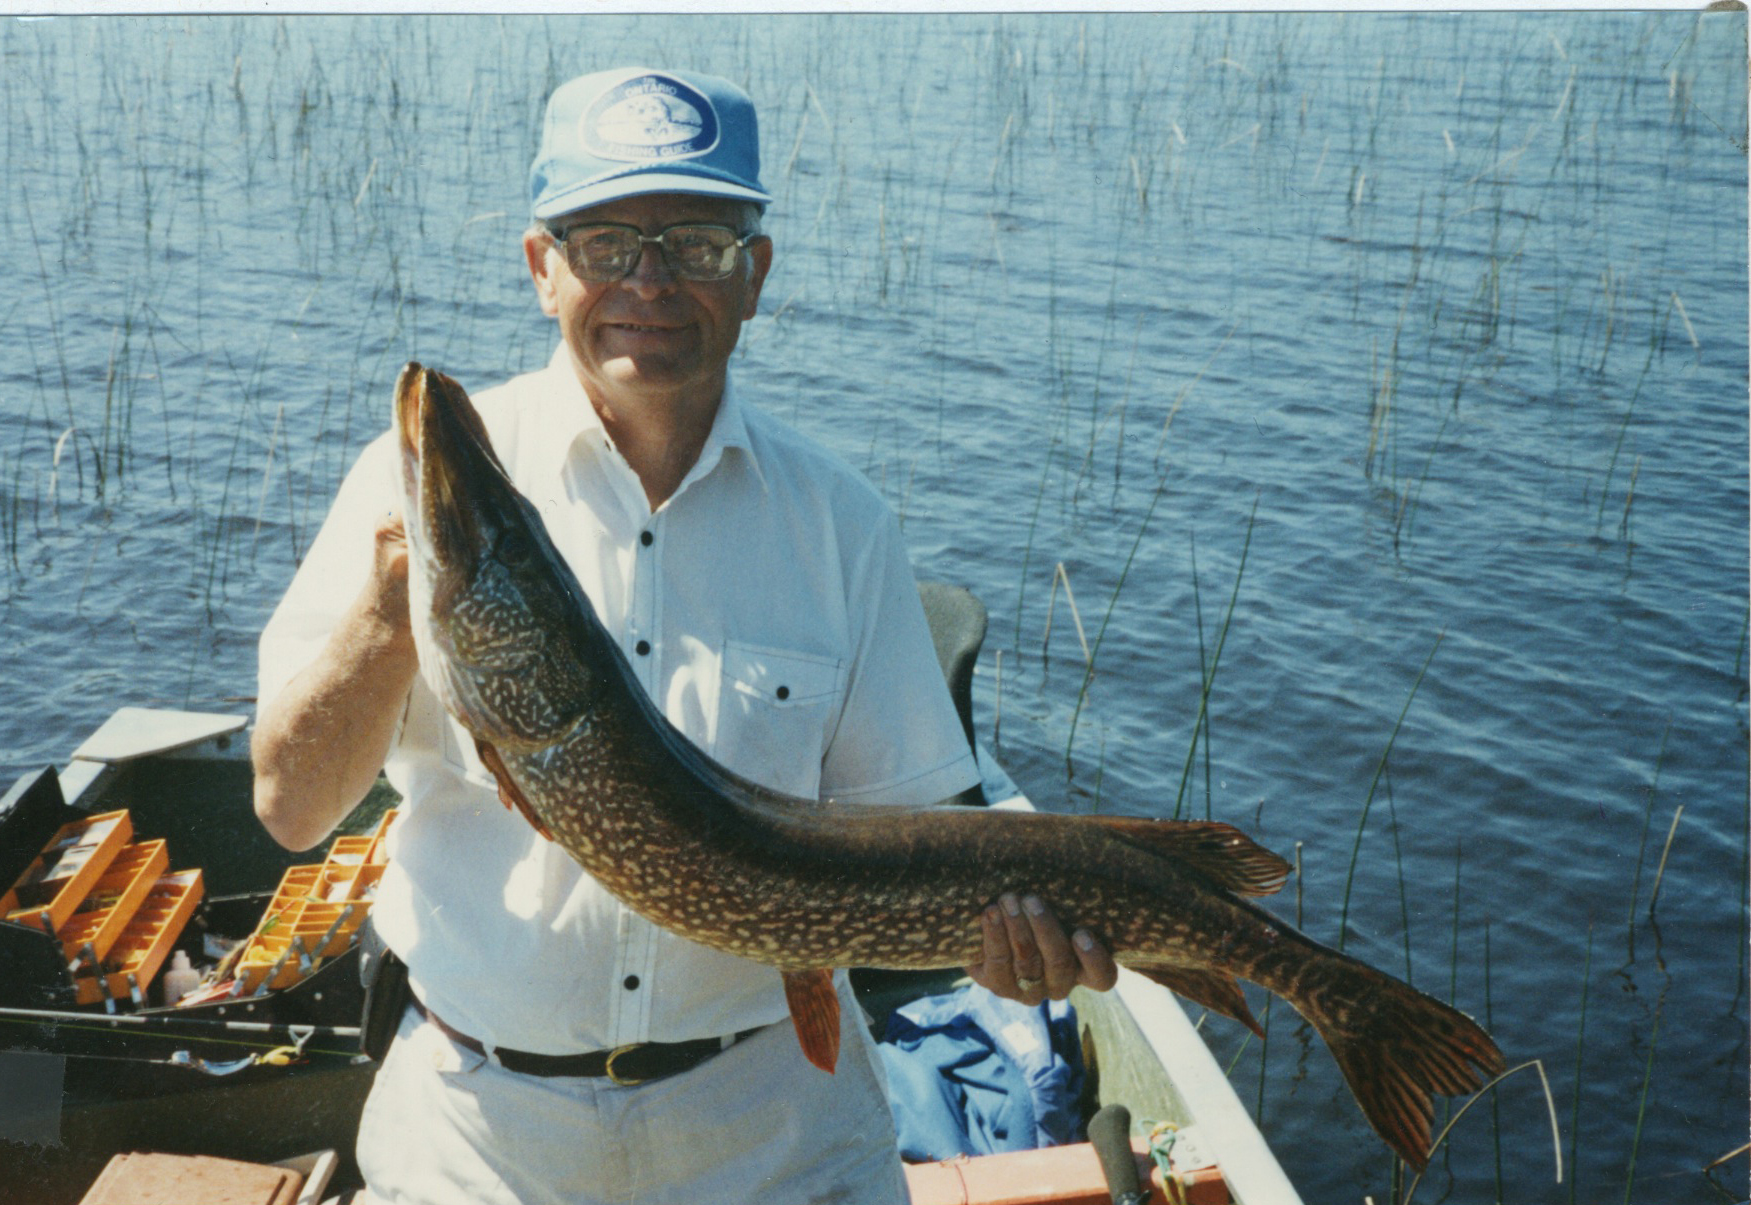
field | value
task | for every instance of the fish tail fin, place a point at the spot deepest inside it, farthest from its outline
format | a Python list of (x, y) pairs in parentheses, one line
[(1396, 1046)]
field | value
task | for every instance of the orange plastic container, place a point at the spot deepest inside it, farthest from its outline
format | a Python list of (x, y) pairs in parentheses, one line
[(146, 940), (103, 914), (377, 851), (328, 929), (266, 952), (54, 885), (270, 959), (320, 905)]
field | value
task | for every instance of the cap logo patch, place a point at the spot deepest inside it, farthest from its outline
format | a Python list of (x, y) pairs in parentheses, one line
[(649, 117)]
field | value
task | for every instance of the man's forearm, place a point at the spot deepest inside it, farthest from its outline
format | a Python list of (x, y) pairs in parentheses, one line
[(319, 744)]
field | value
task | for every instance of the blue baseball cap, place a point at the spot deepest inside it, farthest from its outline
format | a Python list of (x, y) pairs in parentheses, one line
[(634, 130)]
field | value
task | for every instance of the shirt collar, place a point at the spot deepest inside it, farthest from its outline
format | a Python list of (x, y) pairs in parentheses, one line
[(569, 417)]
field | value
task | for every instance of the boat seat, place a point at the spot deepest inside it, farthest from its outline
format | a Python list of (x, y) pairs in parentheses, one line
[(957, 627)]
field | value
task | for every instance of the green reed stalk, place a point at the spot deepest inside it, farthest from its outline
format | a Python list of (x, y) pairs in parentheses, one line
[(1647, 822), (1060, 574), (1298, 923), (1654, 895), (1654, 337), (1167, 423), (1245, 1041), (1744, 635), (1744, 889), (1404, 908), (1367, 803), (1203, 671), (1580, 1047), (109, 397), (1028, 548), (1215, 660), (60, 350), (997, 718), (1641, 1109), (1258, 1113), (1495, 1097), (1088, 672), (1414, 494), (1100, 768), (163, 405)]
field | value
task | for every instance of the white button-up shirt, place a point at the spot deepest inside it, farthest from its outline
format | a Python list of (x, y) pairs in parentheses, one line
[(769, 608)]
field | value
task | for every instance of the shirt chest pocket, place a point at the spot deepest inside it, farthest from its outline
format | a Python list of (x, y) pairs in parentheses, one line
[(775, 711)]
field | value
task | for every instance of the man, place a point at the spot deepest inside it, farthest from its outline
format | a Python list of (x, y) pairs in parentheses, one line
[(762, 594)]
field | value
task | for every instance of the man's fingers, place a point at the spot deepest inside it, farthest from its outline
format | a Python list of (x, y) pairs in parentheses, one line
[(1025, 956), (1098, 970), (1058, 960), (994, 969), (390, 528)]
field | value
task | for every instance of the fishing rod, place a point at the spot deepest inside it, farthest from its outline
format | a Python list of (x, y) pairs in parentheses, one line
[(44, 1016), (204, 1030)]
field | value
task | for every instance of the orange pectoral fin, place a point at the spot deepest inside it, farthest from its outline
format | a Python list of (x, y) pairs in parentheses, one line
[(814, 1010), (509, 793)]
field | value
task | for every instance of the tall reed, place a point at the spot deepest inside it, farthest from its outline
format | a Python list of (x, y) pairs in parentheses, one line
[(1112, 602), (1368, 801), (1199, 724)]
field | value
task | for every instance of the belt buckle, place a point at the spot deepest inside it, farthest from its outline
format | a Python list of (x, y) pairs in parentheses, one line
[(614, 1076)]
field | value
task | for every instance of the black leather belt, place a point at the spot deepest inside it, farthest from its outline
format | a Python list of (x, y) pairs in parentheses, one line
[(635, 1063)]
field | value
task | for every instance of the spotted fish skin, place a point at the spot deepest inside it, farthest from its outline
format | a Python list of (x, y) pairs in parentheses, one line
[(511, 644)]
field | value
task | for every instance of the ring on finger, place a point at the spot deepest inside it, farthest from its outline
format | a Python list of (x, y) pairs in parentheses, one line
[(1029, 985)]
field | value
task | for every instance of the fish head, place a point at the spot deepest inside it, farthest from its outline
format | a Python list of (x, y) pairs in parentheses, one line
[(488, 593)]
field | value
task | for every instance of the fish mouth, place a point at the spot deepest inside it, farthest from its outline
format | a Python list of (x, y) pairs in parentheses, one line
[(447, 463)]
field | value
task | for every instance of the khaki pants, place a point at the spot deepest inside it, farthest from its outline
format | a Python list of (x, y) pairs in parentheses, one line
[(757, 1123)]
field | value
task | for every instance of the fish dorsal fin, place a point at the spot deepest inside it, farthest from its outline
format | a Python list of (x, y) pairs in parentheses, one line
[(814, 1010), (1220, 852), (510, 794), (1217, 991)]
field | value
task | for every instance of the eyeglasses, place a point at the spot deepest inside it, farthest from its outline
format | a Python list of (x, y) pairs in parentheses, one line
[(603, 253)]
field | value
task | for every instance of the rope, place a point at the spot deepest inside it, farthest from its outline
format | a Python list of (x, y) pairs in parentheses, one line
[(1162, 1136)]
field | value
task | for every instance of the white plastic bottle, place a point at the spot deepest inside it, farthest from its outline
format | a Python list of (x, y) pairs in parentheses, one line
[(180, 979)]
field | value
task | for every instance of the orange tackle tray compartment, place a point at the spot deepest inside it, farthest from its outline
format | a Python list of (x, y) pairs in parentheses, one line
[(377, 851), (316, 905), (265, 957), (145, 942), (105, 913), (54, 885), (269, 962), (328, 930)]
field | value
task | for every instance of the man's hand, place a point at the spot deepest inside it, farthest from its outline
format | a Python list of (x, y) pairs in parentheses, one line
[(385, 594), (319, 743), (1029, 958)]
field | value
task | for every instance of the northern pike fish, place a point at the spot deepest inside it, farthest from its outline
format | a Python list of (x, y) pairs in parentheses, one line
[(512, 646)]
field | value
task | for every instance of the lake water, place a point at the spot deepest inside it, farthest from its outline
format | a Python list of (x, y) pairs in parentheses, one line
[(1438, 322)]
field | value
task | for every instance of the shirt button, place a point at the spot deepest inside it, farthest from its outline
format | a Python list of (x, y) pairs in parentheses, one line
[(642, 648), (783, 692), (645, 538), (630, 983)]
